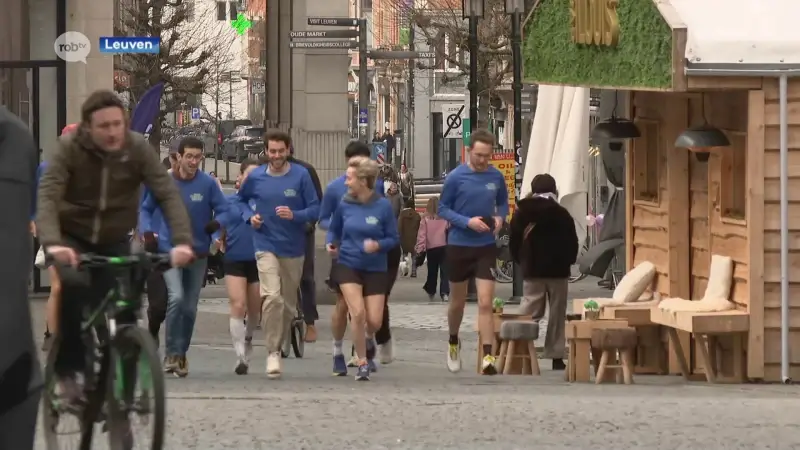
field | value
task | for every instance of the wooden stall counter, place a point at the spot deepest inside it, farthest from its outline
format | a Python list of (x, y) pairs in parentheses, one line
[(579, 342)]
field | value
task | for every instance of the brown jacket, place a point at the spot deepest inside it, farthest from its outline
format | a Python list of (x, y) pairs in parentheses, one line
[(94, 195), (408, 227)]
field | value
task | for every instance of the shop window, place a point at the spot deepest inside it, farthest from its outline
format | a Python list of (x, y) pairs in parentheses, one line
[(221, 7), (645, 164), (733, 186)]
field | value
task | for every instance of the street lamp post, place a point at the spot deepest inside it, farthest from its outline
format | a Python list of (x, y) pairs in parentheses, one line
[(514, 8), (472, 11)]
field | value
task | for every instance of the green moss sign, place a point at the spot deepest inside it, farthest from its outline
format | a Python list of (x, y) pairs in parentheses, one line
[(642, 57)]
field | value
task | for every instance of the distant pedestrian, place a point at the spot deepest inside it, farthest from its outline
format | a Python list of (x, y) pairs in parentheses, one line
[(308, 285), (544, 243), (432, 241), (408, 224)]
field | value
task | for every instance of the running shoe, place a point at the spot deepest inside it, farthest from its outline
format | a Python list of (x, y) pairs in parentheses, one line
[(241, 368), (170, 364), (339, 366), (488, 365), (372, 366), (353, 361), (386, 352), (274, 365), (363, 371), (454, 357), (182, 370)]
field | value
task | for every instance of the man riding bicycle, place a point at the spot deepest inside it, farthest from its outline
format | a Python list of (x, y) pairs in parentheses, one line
[(88, 202)]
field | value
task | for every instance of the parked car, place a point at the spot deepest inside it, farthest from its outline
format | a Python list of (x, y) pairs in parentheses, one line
[(243, 143), (226, 128)]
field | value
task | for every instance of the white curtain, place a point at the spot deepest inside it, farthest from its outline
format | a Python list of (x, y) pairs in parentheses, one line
[(559, 146)]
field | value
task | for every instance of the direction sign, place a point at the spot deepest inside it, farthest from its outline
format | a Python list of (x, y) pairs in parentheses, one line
[(324, 34), (195, 113), (323, 44), (333, 21), (363, 117), (452, 120), (400, 54)]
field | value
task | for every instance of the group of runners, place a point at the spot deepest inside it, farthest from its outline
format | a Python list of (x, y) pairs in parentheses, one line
[(89, 199)]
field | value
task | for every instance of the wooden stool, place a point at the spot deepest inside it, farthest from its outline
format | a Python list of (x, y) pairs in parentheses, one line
[(517, 348), (612, 341)]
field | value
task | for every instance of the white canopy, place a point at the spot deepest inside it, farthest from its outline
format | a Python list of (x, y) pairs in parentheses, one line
[(740, 31)]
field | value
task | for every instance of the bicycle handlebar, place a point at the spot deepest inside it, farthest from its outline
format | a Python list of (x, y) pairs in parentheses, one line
[(137, 259)]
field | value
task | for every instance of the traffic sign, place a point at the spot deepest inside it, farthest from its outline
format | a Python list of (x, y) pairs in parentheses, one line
[(363, 117), (400, 54), (324, 34), (333, 21), (452, 121), (323, 44), (195, 113), (466, 132), (379, 152)]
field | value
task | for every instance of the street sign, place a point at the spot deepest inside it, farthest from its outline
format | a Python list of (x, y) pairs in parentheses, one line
[(324, 34), (323, 44), (452, 121), (257, 86), (363, 117), (379, 152), (466, 132), (333, 21), (398, 54), (195, 113)]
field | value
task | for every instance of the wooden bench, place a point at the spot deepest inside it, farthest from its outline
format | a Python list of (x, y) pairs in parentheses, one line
[(706, 328)]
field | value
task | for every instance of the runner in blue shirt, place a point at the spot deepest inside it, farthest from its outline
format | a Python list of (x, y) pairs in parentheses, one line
[(475, 201), (362, 231), (283, 203)]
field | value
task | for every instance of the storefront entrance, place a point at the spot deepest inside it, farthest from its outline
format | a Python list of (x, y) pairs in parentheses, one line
[(35, 91)]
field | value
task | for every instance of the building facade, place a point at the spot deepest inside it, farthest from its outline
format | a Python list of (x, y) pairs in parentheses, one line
[(45, 91)]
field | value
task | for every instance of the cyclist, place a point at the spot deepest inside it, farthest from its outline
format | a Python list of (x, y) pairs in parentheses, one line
[(474, 201), (88, 202), (283, 202), (235, 238), (308, 286), (202, 196), (363, 229), (51, 317), (20, 375)]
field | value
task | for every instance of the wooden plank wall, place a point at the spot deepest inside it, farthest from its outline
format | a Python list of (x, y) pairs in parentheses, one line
[(650, 220), (771, 224)]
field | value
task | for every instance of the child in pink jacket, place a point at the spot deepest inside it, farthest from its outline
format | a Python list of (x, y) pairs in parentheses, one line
[(432, 239)]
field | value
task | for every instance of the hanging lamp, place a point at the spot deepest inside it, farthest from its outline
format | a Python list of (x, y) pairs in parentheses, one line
[(701, 139), (615, 128)]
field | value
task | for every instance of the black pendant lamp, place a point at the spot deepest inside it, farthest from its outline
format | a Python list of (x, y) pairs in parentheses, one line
[(615, 128), (701, 139)]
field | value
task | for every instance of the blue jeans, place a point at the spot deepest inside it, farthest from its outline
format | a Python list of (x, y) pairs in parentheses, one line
[(183, 287)]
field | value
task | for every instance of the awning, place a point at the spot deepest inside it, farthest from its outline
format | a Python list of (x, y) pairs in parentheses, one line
[(740, 31)]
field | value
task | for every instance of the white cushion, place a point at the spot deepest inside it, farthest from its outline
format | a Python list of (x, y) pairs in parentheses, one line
[(720, 278), (634, 283)]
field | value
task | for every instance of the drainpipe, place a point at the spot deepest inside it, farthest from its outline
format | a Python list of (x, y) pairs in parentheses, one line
[(783, 75)]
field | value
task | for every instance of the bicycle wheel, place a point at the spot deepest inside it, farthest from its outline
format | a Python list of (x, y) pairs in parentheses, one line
[(298, 337), (134, 361), (55, 412)]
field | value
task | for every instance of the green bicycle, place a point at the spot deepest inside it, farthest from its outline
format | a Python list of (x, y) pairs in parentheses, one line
[(120, 355)]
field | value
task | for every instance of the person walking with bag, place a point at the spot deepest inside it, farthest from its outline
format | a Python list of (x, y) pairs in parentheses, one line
[(432, 240), (408, 227), (544, 243)]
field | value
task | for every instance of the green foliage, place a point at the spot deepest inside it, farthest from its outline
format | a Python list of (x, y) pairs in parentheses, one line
[(643, 57)]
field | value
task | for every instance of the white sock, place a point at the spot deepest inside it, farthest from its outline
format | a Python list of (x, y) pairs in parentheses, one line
[(337, 348), (238, 333), (252, 324)]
